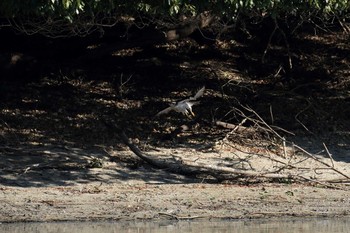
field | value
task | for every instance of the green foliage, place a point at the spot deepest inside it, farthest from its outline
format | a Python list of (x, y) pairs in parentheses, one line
[(71, 8), (90, 10)]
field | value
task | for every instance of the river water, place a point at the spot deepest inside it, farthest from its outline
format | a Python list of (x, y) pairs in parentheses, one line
[(333, 225)]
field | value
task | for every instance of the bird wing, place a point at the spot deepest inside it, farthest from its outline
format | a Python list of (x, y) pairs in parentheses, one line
[(164, 111), (191, 103), (199, 93)]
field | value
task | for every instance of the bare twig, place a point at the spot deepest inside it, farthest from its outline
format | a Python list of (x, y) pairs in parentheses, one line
[(303, 110), (271, 114), (346, 28), (280, 68), (263, 122), (285, 41), (320, 161), (235, 128), (329, 154), (268, 43), (123, 85), (283, 130)]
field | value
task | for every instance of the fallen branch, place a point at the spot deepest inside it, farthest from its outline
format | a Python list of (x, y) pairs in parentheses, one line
[(320, 161), (176, 217), (329, 154), (260, 125), (168, 164), (193, 168), (235, 128)]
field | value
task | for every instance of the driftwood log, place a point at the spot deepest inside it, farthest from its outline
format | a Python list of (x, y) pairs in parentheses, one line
[(193, 168)]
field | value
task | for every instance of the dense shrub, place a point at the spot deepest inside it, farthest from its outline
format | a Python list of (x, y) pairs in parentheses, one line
[(81, 17)]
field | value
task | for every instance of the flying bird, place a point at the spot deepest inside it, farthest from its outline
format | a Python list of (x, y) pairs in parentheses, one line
[(184, 106)]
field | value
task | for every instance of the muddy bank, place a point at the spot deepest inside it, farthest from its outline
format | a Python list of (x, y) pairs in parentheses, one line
[(169, 201), (66, 184)]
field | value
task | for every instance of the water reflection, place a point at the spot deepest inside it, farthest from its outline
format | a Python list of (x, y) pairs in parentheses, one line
[(241, 226)]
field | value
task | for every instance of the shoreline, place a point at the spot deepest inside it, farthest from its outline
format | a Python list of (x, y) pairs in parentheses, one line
[(100, 202)]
